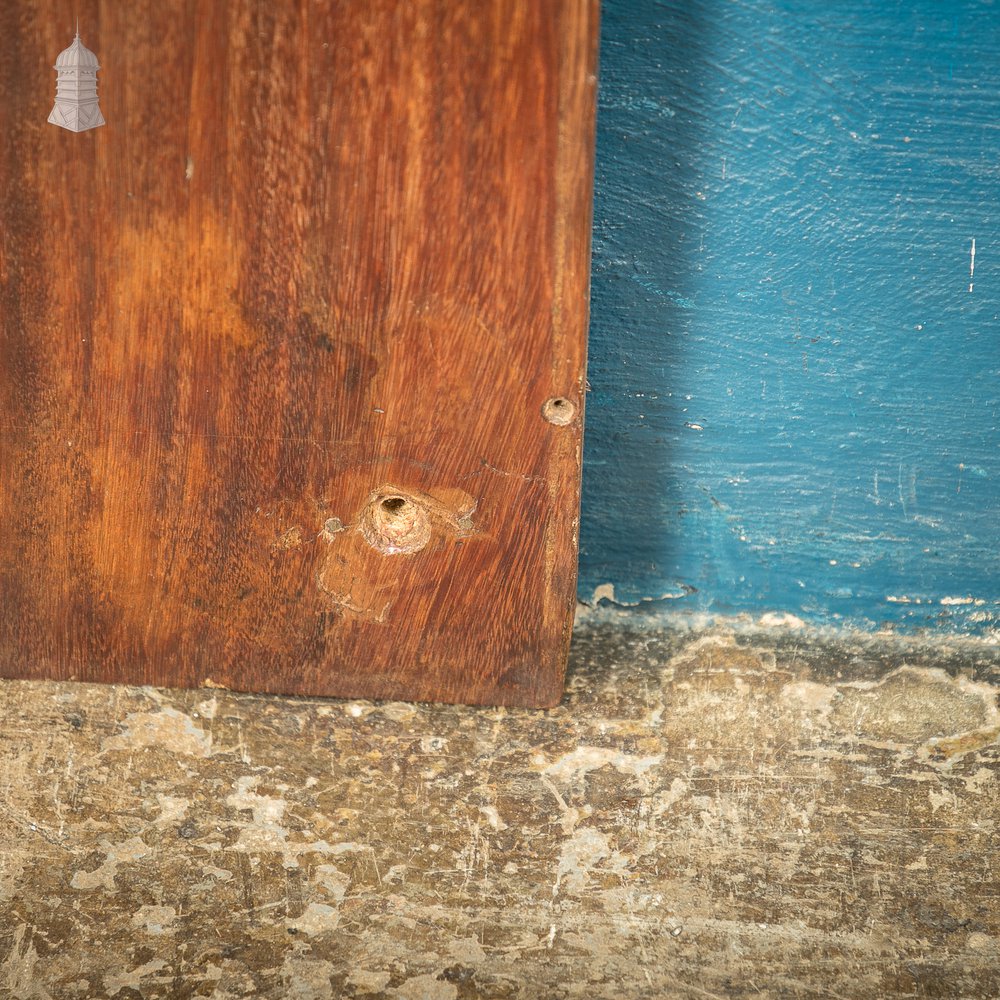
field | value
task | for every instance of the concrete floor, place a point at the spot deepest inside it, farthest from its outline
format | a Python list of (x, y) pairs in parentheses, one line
[(714, 813)]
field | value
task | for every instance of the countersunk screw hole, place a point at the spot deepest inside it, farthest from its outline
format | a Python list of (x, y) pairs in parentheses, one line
[(395, 524), (559, 411)]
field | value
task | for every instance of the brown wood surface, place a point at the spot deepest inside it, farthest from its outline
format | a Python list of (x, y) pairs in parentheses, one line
[(322, 255)]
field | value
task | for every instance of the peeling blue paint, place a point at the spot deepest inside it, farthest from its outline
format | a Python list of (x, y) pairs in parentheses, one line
[(795, 355)]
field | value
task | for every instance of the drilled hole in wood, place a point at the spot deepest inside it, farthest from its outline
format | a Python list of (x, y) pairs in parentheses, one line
[(559, 411), (395, 524)]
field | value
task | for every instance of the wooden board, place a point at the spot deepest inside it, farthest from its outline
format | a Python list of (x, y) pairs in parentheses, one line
[(278, 345)]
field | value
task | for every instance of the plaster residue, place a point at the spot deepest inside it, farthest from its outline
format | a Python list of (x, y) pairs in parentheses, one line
[(913, 710), (165, 729), (492, 816), (17, 971), (318, 918), (467, 950), (134, 978), (774, 619), (332, 882), (208, 708), (578, 763), (307, 978), (582, 851), (13, 866), (266, 831), (810, 695), (368, 981), (953, 748), (606, 592), (922, 709), (267, 810), (154, 919), (103, 876), (703, 808), (213, 876), (586, 848), (172, 809), (426, 987)]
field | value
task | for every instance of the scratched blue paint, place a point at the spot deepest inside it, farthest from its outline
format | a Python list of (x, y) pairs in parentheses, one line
[(795, 377)]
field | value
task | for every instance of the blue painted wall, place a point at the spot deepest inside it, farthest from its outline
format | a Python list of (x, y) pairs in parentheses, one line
[(795, 378)]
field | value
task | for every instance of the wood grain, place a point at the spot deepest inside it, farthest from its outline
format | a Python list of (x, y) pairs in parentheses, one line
[(322, 255)]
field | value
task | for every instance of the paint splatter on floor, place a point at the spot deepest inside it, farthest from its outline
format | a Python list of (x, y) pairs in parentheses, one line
[(708, 813)]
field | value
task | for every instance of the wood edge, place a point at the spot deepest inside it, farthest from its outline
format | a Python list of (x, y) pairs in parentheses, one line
[(575, 163)]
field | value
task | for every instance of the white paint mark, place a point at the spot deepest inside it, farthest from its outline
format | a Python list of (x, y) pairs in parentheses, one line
[(774, 619), (426, 987), (164, 729), (18, 969), (578, 763), (189, 169), (493, 817), (551, 938), (318, 918), (208, 708), (133, 979), (103, 877), (810, 695), (606, 592), (972, 262), (581, 853), (172, 809), (368, 981), (155, 919)]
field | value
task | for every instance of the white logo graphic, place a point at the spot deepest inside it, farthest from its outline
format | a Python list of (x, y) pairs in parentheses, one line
[(76, 106)]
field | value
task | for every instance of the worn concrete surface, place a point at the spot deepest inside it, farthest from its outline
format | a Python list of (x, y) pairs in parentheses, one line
[(709, 814)]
